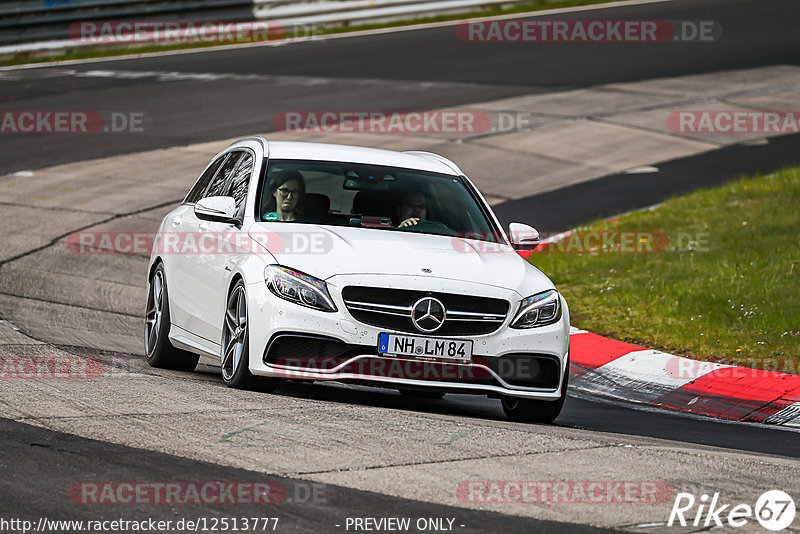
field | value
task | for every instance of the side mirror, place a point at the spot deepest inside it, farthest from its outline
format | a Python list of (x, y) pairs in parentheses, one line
[(219, 209), (523, 237)]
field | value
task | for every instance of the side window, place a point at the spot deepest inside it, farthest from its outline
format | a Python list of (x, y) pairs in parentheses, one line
[(237, 187), (217, 187), (197, 191)]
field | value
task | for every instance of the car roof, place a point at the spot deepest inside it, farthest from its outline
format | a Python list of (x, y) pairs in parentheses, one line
[(357, 154)]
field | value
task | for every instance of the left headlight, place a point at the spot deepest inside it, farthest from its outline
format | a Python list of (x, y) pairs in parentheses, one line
[(299, 288), (538, 310)]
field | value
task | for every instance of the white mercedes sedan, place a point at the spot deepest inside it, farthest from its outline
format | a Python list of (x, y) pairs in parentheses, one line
[(308, 261)]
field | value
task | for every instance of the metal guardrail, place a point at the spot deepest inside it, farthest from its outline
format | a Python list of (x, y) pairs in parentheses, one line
[(49, 20), (346, 11), (42, 25)]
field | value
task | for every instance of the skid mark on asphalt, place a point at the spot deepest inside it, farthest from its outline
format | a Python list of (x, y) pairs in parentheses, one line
[(64, 235), (270, 433), (387, 465)]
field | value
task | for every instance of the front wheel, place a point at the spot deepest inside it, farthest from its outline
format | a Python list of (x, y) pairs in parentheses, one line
[(235, 356), (536, 411)]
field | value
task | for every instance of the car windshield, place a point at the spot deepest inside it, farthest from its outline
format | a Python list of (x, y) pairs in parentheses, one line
[(371, 196)]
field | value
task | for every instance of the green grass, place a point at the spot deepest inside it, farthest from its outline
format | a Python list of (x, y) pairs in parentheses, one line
[(732, 295), (113, 51)]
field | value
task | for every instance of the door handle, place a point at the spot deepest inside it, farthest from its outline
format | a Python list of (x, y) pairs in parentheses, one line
[(202, 227), (176, 221)]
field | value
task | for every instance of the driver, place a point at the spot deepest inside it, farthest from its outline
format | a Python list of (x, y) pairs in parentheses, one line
[(412, 208)]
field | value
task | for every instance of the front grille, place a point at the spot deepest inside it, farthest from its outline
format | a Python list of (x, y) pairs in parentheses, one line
[(391, 309)]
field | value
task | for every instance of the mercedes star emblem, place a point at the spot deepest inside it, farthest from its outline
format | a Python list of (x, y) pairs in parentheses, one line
[(428, 314)]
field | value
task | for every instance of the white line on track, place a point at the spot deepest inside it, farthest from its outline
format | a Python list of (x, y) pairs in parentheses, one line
[(362, 33)]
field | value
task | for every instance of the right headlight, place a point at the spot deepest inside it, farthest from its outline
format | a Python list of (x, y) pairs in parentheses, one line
[(299, 288), (538, 310)]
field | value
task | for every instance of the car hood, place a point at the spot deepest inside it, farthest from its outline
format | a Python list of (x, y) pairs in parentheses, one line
[(326, 251)]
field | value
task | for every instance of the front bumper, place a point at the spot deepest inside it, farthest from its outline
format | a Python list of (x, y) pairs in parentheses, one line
[(292, 342)]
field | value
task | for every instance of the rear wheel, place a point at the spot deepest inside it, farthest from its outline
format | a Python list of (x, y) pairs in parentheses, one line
[(235, 355), (536, 411), (159, 351)]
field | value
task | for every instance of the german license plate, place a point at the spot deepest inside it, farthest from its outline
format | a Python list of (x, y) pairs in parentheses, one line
[(425, 347)]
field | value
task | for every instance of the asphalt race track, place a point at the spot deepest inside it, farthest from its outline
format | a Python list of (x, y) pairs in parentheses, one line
[(410, 70), (242, 89), (29, 449), (622, 192)]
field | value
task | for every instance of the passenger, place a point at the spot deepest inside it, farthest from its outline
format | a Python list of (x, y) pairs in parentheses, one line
[(412, 208), (284, 196)]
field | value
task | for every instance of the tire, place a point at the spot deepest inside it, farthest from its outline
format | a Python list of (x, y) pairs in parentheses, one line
[(157, 348), (421, 395), (536, 411), (235, 346)]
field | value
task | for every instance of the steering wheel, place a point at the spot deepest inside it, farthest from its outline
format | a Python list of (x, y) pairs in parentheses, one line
[(425, 226)]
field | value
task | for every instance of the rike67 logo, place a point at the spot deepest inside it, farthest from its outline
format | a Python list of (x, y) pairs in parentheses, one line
[(774, 510)]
